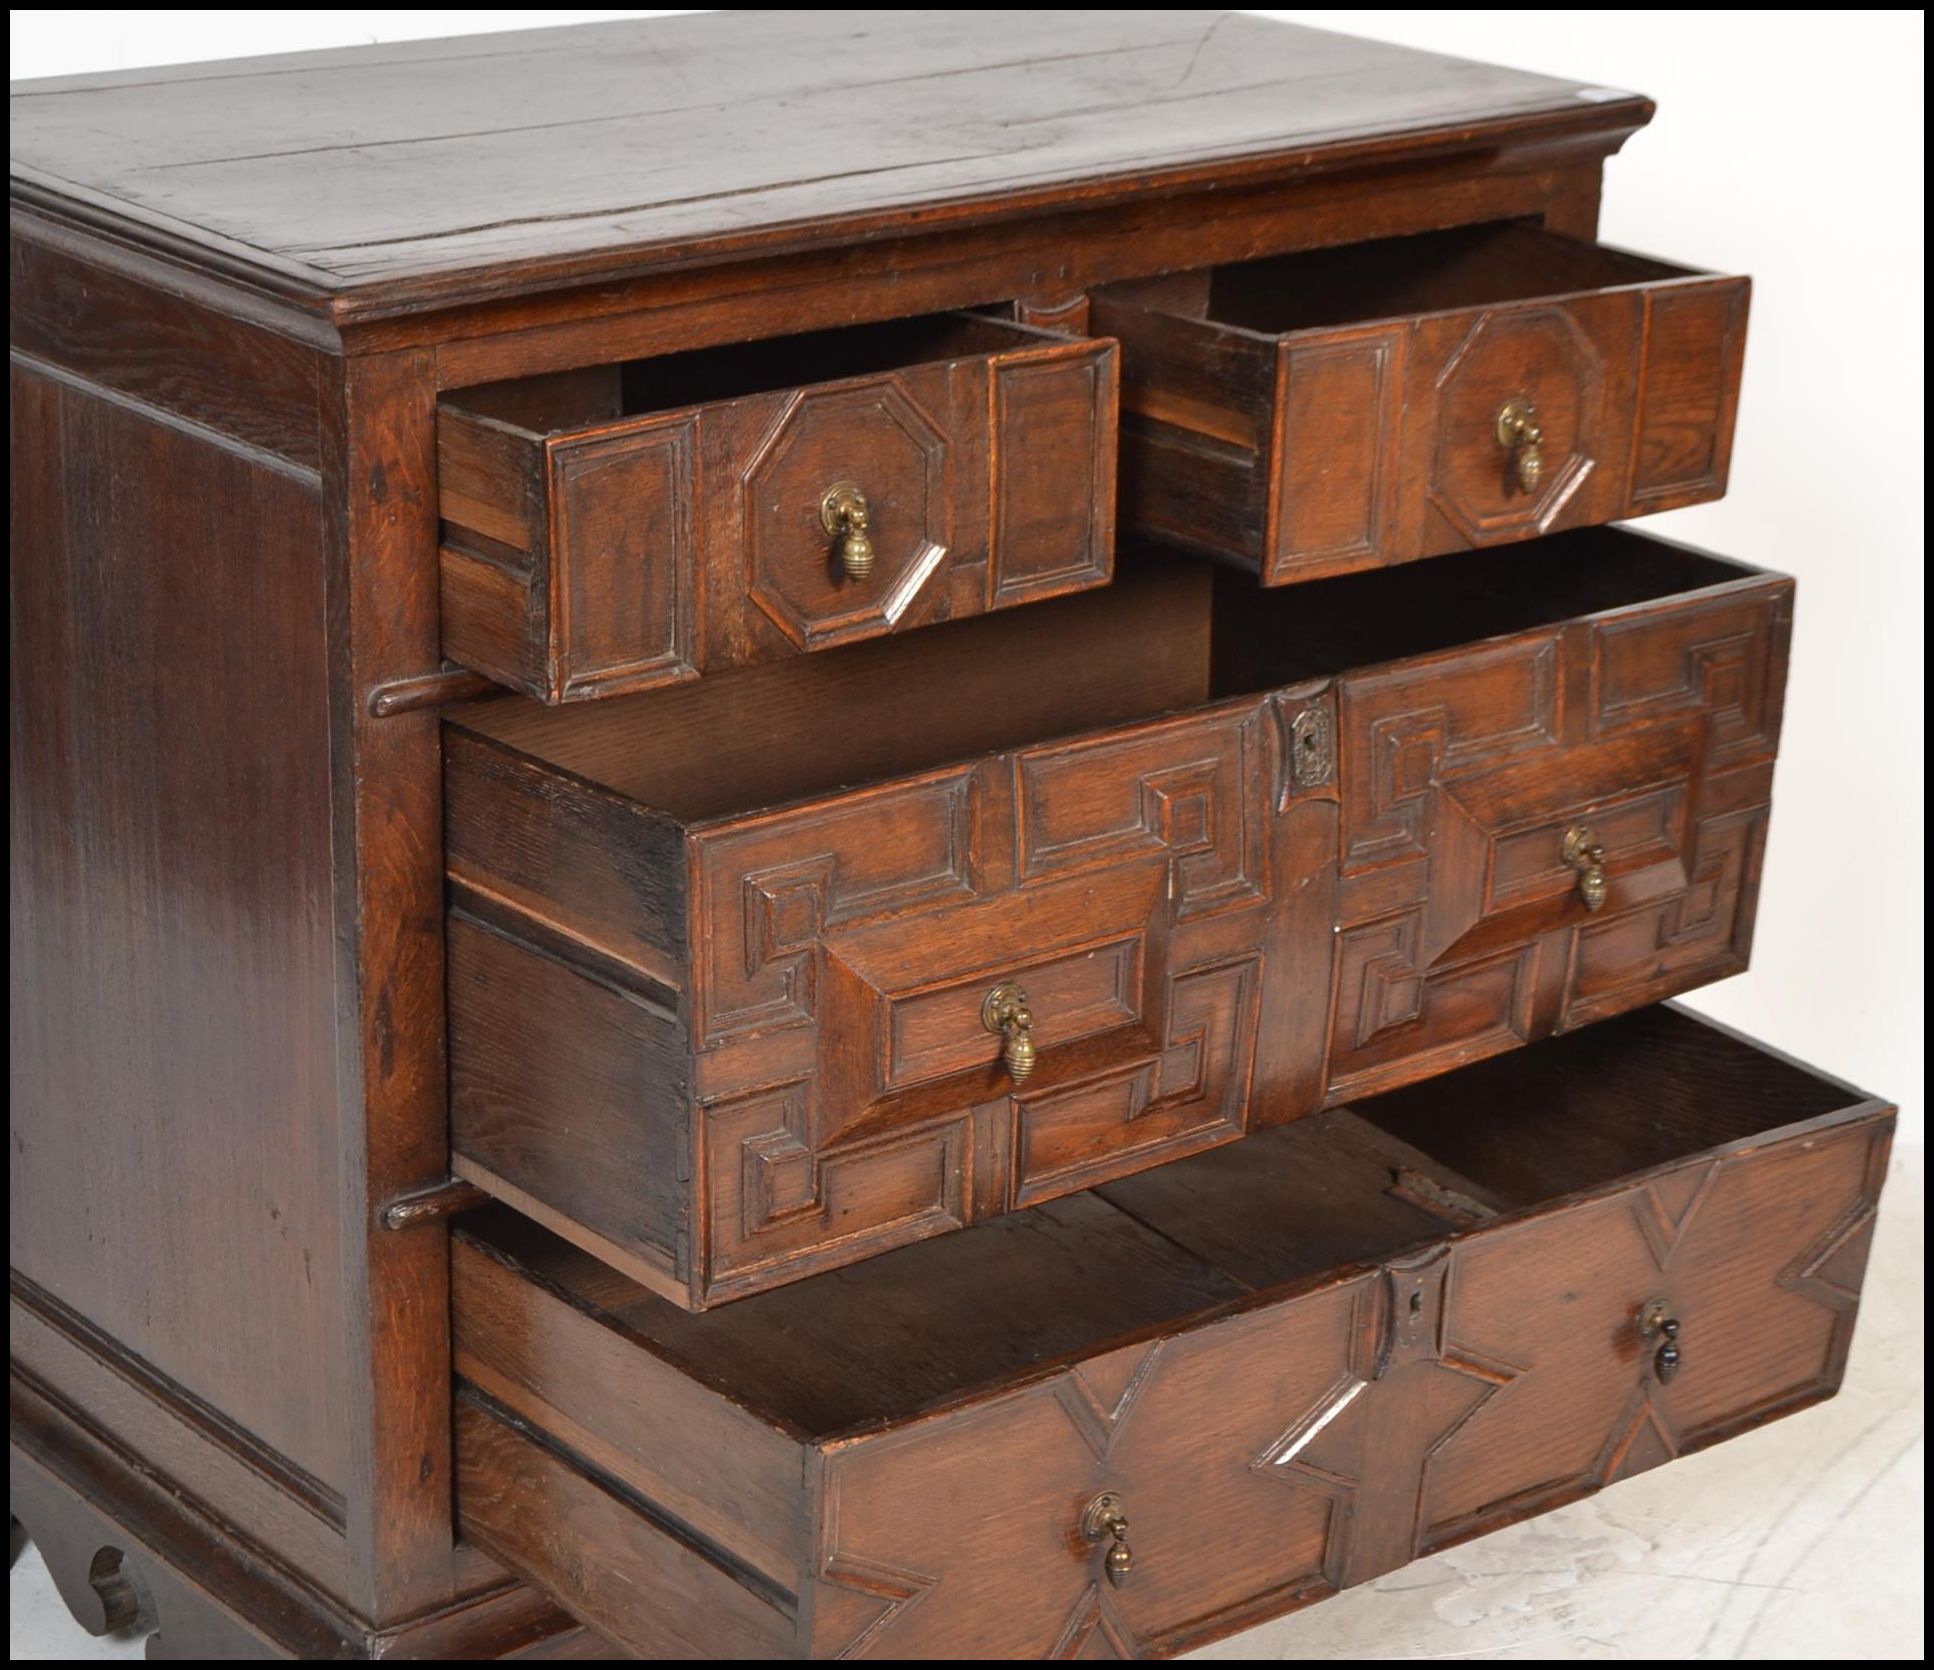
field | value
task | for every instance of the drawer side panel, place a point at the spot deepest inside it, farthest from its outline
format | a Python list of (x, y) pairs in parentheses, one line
[(573, 1093), (703, 1460), (592, 1551)]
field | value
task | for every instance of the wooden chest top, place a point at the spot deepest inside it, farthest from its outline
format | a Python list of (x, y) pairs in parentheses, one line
[(377, 180)]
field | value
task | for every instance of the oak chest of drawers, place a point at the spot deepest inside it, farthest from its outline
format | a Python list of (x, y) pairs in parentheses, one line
[(955, 692)]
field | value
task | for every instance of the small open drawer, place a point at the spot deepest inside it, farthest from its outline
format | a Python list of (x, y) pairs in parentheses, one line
[(1281, 1368), (1325, 412), (783, 968), (630, 526)]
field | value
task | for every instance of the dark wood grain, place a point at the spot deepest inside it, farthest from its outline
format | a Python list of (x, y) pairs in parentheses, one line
[(379, 452), (454, 169), (806, 726), (576, 1643), (335, 374), (611, 534), (529, 1302), (1344, 402), (837, 950), (125, 1549), (172, 1051), (243, 1482), (251, 383), (1098, 241), (1289, 1204), (1640, 1090), (890, 1338), (726, 1030), (650, 1590), (600, 1126), (574, 858), (187, 899), (1297, 1369)]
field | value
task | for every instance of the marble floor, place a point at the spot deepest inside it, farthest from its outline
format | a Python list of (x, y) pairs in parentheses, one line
[(1803, 1540)]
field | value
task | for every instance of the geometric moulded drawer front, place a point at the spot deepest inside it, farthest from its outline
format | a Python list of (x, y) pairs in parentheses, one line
[(728, 1047), (789, 967), (1642, 741), (1337, 410), (627, 527), (1288, 1366)]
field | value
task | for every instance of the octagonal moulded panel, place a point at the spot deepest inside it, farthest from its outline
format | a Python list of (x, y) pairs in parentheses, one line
[(874, 434), (1536, 354)]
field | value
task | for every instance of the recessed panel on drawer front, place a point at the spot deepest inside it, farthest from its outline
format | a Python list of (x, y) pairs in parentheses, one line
[(798, 964), (1127, 1422), (813, 1021), (1551, 827), (1322, 413), (627, 527)]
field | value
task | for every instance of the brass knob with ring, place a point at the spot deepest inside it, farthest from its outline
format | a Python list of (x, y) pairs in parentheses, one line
[(1656, 1322), (1583, 855), (1522, 435), (1105, 1519), (1004, 1011), (845, 514)]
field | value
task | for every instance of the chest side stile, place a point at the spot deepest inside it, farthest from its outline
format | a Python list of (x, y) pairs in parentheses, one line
[(379, 467)]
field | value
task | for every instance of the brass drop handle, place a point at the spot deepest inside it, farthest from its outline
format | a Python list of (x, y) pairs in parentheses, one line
[(1105, 1519), (1004, 1011), (844, 514), (1657, 1322), (1582, 853), (1521, 434)]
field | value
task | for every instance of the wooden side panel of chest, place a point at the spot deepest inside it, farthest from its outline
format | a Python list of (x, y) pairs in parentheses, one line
[(226, 1046), (172, 940)]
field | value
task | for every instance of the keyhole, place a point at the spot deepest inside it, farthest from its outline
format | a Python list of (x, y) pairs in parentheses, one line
[(1416, 1303)]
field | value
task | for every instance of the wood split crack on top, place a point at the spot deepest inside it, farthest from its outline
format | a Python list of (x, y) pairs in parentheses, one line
[(1201, 47), (841, 90)]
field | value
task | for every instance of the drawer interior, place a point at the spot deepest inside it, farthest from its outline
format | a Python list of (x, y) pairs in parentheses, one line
[(1432, 272), (950, 1318), (671, 382), (1168, 635), (1325, 627)]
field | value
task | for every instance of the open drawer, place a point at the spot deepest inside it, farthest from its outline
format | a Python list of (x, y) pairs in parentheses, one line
[(1326, 412), (1276, 1369), (780, 969), (630, 526)]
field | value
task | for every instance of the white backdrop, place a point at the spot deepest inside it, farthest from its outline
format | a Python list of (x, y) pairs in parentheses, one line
[(1787, 145)]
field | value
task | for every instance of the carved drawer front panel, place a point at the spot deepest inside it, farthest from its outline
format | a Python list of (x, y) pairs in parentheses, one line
[(793, 1061), (1190, 1433), (629, 527), (1369, 405), (1546, 829), (1742, 1270), (1126, 1422), (743, 985)]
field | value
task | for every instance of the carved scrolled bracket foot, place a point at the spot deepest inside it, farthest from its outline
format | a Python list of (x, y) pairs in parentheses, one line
[(95, 1579), (112, 1592), (112, 1588)]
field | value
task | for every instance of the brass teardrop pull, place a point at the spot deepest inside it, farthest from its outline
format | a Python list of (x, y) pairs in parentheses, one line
[(844, 514), (1582, 853), (1521, 434), (1004, 1011), (1105, 1519), (1656, 1321)]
